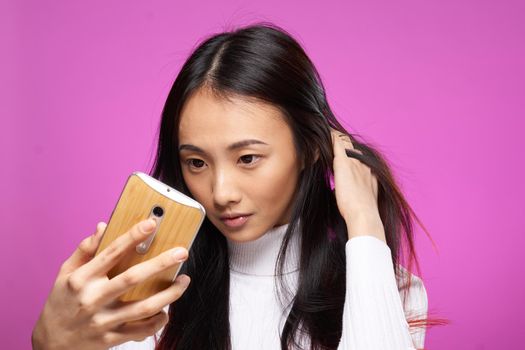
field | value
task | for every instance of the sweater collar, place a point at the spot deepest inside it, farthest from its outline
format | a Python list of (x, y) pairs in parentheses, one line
[(259, 257)]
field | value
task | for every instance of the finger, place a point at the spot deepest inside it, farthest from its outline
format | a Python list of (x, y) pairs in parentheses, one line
[(339, 149), (346, 141), (137, 330), (85, 250), (141, 272), (103, 262), (343, 136), (348, 144), (138, 310)]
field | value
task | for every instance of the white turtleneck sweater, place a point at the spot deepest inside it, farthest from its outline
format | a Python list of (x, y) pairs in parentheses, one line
[(373, 315)]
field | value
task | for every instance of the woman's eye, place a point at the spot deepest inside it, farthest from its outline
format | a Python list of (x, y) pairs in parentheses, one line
[(249, 159), (195, 163)]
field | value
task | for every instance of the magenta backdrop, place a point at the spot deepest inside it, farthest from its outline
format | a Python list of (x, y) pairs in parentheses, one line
[(438, 85)]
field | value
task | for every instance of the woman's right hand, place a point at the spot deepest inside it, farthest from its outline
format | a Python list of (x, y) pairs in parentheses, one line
[(83, 311)]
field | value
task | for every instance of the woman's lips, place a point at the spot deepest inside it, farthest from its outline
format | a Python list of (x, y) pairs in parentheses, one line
[(237, 221)]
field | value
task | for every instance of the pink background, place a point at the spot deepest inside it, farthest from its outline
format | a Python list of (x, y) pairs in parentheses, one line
[(438, 85)]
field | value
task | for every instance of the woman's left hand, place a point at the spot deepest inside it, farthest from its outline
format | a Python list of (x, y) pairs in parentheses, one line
[(355, 190)]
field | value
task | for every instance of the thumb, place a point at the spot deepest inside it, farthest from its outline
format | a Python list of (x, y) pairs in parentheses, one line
[(85, 251)]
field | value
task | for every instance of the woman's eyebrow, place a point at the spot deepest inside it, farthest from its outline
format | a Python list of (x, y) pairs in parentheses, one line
[(233, 146)]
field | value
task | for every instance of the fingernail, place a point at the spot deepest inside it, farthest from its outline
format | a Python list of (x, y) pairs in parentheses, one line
[(179, 254), (147, 226), (184, 280)]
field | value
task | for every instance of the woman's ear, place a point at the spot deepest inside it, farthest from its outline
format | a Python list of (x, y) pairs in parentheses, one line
[(316, 158)]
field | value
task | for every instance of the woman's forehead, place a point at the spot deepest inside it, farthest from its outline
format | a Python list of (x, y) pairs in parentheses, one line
[(206, 115)]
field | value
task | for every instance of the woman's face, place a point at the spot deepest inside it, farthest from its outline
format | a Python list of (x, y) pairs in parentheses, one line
[(238, 159)]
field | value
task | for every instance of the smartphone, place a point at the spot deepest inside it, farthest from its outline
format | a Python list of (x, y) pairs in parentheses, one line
[(178, 219)]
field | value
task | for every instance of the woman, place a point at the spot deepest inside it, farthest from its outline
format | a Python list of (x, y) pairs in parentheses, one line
[(282, 261)]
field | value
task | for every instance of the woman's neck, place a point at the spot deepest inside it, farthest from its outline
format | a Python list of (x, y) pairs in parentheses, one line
[(259, 257)]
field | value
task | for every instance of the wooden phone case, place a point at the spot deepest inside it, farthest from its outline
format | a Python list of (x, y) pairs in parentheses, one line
[(180, 223)]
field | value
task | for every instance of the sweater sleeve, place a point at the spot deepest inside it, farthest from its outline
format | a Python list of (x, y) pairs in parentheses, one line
[(373, 314)]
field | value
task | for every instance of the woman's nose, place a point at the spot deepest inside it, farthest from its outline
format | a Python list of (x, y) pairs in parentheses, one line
[(225, 192)]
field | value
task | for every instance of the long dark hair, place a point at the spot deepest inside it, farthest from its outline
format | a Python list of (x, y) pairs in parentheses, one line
[(263, 62)]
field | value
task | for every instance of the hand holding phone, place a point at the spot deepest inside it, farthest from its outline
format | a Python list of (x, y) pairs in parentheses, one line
[(84, 310)]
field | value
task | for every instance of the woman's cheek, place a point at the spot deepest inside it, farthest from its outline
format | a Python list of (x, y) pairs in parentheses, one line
[(193, 186)]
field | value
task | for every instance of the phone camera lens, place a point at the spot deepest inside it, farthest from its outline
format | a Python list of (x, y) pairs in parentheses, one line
[(158, 211)]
